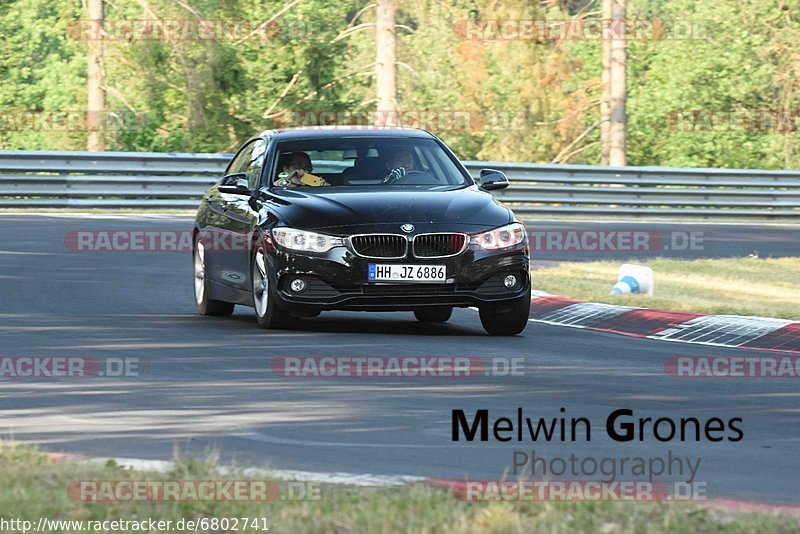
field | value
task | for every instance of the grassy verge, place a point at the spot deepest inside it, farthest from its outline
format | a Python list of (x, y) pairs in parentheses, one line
[(35, 486), (741, 286)]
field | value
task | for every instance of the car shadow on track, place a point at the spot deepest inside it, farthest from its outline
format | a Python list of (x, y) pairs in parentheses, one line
[(397, 323)]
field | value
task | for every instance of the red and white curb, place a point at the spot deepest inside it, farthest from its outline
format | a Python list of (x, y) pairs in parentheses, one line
[(761, 333)]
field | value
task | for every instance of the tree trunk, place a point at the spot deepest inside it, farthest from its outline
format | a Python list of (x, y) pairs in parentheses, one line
[(605, 100), (618, 83), (96, 105), (386, 62)]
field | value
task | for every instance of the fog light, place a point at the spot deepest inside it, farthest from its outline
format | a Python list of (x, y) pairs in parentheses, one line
[(510, 281), (298, 285)]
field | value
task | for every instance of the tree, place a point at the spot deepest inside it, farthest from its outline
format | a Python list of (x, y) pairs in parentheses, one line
[(386, 60), (617, 84), (96, 102), (605, 99)]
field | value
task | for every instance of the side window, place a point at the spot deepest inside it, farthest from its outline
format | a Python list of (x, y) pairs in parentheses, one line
[(423, 159), (255, 163), (241, 161)]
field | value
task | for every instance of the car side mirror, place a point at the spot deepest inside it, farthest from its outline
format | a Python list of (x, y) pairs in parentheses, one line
[(492, 180), (235, 184)]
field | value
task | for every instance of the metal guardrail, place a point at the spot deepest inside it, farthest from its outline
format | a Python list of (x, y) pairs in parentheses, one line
[(149, 180)]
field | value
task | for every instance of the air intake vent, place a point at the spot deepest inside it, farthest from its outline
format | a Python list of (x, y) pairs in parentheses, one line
[(439, 245), (380, 245)]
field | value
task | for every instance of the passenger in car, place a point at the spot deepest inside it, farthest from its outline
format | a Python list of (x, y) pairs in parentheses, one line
[(298, 172)]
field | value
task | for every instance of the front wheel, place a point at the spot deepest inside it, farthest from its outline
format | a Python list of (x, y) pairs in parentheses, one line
[(205, 305), (268, 313), (507, 318), (434, 314)]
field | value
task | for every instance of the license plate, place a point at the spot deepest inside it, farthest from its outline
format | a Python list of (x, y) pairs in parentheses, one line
[(399, 273)]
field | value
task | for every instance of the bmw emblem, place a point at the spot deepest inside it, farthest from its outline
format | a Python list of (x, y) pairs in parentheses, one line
[(407, 228)]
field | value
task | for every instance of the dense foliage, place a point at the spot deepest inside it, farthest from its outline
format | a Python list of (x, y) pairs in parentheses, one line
[(526, 99)]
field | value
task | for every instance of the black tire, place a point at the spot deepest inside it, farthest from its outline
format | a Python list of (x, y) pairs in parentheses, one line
[(205, 305), (506, 319), (269, 314), (434, 314)]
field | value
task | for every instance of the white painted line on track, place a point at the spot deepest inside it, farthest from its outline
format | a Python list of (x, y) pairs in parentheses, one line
[(101, 216), (264, 438), (353, 479)]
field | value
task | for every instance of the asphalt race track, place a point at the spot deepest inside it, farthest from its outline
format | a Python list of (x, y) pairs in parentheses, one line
[(206, 383)]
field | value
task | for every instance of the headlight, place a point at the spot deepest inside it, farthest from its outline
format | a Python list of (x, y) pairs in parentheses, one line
[(505, 236), (305, 241)]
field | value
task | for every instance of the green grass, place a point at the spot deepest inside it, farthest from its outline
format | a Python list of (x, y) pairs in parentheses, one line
[(34, 485), (742, 286)]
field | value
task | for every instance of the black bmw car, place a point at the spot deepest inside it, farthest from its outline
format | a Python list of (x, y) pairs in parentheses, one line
[(385, 219)]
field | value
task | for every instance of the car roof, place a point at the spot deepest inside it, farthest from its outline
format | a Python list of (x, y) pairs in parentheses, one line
[(332, 132)]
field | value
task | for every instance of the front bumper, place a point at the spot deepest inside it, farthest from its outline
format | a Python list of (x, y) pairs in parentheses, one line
[(337, 280)]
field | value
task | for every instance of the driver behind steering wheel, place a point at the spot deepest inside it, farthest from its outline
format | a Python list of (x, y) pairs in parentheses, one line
[(399, 162)]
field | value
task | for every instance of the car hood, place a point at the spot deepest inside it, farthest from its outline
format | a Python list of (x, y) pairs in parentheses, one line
[(349, 210)]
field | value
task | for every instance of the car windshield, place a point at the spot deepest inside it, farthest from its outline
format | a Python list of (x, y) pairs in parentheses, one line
[(349, 162)]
